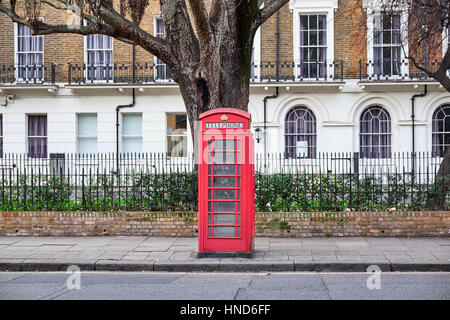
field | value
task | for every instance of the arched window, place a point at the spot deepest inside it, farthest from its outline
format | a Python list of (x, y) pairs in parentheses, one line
[(375, 133), (441, 130), (300, 133)]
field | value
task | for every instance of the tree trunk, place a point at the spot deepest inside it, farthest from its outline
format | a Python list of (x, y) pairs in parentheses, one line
[(213, 72)]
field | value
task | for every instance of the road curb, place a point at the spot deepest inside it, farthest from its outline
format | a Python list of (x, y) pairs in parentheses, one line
[(217, 266)]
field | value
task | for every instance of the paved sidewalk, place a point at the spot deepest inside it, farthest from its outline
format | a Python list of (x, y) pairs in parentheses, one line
[(179, 254)]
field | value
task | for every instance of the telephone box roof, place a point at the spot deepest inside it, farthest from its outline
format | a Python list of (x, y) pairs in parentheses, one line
[(225, 110)]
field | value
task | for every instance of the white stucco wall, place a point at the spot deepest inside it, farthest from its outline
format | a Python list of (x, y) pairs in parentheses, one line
[(337, 112)]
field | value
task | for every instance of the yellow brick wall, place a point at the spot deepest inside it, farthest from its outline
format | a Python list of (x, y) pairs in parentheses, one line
[(350, 40), (62, 49)]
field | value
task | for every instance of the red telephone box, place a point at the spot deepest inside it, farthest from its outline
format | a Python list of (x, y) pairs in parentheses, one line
[(226, 184)]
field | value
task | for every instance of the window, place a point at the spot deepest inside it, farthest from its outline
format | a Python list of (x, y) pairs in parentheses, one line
[(29, 55), (162, 72), (313, 46), (375, 133), (177, 135), (386, 45), (256, 57), (446, 44), (441, 131), (132, 132), (300, 133), (1, 136), (87, 133), (99, 57), (37, 136)]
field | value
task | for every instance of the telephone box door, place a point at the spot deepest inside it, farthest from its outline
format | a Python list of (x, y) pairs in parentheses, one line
[(227, 208)]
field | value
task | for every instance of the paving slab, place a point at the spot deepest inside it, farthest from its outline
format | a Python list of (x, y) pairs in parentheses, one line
[(180, 254), (136, 256)]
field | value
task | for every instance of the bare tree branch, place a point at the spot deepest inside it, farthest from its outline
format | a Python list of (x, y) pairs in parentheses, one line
[(180, 34), (268, 10), (201, 24), (127, 29), (68, 6), (215, 12), (441, 74), (51, 4)]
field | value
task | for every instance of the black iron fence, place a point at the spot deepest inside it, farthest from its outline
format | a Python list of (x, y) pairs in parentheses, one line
[(395, 69), (265, 71), (303, 71), (121, 73), (147, 181), (28, 74)]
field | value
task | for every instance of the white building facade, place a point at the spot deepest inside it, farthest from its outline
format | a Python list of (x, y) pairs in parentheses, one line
[(316, 110)]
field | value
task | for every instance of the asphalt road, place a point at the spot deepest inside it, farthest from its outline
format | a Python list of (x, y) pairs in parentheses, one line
[(240, 286)]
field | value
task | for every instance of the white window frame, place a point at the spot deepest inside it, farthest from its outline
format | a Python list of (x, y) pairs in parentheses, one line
[(445, 44), (256, 56), (388, 134), (28, 134), (16, 54), (445, 40), (311, 150), (85, 51), (177, 135), (320, 7), (372, 9), (155, 59), (86, 136), (141, 136)]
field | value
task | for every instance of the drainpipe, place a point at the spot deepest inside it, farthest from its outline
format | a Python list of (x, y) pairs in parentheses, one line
[(118, 113), (413, 130), (265, 122), (277, 40), (277, 62)]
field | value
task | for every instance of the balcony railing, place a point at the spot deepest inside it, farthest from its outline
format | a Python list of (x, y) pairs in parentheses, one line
[(264, 72), (28, 74), (118, 73), (394, 69), (310, 71)]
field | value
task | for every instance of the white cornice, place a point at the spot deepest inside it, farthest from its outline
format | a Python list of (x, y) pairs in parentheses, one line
[(313, 4)]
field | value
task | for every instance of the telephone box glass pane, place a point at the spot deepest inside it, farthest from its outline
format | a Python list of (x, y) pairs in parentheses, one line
[(224, 231), (228, 144), (222, 194), (223, 157), (221, 182), (225, 219), (221, 206), (226, 169)]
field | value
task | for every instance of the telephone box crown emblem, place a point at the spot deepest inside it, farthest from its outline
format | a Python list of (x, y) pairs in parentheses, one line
[(224, 117)]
